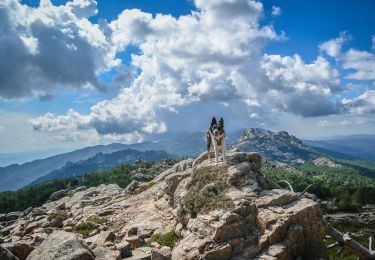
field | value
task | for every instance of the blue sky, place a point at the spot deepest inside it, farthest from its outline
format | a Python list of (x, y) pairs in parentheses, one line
[(105, 72)]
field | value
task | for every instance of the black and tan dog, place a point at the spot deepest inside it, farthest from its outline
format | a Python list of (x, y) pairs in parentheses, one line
[(215, 138)]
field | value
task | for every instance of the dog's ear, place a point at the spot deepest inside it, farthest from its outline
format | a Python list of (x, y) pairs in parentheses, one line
[(221, 121), (213, 122)]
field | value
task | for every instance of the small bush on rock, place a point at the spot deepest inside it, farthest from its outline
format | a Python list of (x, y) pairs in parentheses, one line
[(85, 228), (97, 220), (57, 218), (206, 191), (167, 239)]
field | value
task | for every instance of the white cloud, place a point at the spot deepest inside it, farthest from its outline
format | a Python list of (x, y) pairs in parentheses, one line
[(364, 104), (301, 88), (323, 123), (333, 47), (190, 67), (362, 62), (186, 65), (276, 11), (49, 47)]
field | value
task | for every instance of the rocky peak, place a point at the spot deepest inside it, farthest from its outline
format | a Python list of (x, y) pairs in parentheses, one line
[(275, 146), (261, 133), (194, 210)]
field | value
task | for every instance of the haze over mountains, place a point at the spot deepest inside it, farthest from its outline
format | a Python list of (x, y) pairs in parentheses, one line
[(276, 146), (360, 146)]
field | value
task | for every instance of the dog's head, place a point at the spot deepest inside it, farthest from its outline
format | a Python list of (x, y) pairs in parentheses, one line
[(217, 128)]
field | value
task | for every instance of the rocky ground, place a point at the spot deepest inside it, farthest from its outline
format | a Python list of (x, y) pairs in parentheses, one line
[(193, 210)]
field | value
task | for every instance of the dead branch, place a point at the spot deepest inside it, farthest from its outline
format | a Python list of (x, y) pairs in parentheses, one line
[(285, 181), (333, 245), (305, 190), (347, 242)]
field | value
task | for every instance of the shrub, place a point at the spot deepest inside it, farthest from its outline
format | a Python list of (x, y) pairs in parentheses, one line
[(206, 190), (168, 239), (97, 220), (57, 218), (196, 202), (85, 228)]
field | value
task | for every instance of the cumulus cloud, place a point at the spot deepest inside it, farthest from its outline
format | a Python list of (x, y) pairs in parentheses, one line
[(209, 61), (276, 11), (50, 47), (301, 88), (333, 47), (185, 63), (362, 62), (364, 104)]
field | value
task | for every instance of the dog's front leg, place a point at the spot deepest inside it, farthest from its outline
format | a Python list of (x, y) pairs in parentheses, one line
[(216, 154), (223, 150)]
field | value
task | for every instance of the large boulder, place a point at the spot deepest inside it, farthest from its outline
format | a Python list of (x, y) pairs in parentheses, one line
[(64, 246), (58, 195), (163, 253), (102, 253), (21, 249), (3, 217), (13, 215), (251, 221), (5, 254)]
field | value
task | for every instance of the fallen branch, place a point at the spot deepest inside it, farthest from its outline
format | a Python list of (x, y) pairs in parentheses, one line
[(305, 190), (333, 245), (348, 243), (285, 181)]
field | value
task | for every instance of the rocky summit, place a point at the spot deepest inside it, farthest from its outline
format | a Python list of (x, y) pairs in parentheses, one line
[(194, 210), (275, 146)]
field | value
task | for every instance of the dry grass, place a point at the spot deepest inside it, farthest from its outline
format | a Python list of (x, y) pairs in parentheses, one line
[(206, 191)]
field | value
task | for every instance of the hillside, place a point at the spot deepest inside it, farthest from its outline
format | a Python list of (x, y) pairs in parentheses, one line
[(193, 210), (16, 176), (275, 146), (101, 162)]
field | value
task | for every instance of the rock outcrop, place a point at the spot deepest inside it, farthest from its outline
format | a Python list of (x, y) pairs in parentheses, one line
[(195, 210)]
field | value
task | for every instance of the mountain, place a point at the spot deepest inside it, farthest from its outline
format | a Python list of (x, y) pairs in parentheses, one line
[(179, 144), (16, 176), (360, 146), (102, 162), (204, 212), (275, 146)]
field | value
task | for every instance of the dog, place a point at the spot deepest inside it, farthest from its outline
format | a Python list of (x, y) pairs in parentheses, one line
[(215, 138)]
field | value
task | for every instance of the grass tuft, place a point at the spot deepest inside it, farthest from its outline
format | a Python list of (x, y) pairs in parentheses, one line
[(85, 228), (168, 239), (206, 191)]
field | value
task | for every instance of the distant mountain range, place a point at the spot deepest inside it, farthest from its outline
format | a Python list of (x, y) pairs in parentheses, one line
[(359, 146), (16, 176), (102, 162), (275, 146)]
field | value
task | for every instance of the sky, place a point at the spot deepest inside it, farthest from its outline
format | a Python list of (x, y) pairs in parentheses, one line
[(84, 72)]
